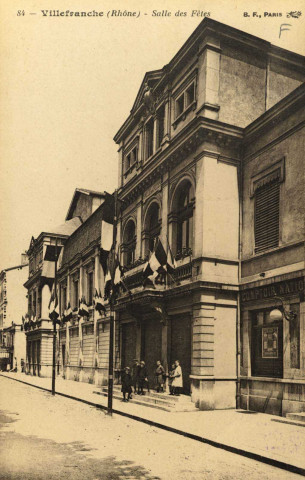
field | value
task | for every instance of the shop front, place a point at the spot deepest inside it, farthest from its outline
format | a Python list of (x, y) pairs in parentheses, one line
[(272, 347)]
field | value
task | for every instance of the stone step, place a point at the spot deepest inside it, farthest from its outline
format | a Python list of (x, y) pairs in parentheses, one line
[(296, 417), (152, 394), (167, 402)]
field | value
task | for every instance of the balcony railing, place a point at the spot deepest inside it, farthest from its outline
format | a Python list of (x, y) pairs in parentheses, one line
[(136, 279)]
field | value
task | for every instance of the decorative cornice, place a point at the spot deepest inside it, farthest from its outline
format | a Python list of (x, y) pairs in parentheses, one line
[(195, 133)]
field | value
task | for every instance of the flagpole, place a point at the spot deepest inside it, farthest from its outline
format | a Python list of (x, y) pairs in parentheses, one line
[(54, 326), (111, 301)]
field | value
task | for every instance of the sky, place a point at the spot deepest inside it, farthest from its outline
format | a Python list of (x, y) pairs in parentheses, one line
[(67, 84)]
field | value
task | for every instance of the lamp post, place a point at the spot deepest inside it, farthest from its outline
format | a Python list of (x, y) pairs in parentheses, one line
[(111, 266), (277, 314)]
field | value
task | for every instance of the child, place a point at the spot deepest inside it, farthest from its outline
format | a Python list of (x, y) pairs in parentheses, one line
[(126, 384), (171, 378), (159, 372)]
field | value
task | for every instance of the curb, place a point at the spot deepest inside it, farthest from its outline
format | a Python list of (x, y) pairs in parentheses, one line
[(238, 451)]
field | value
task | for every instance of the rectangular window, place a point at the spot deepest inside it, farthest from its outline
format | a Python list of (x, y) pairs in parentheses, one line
[(160, 120), (90, 287), (63, 298), (189, 95), (185, 100), (75, 294), (149, 138), (179, 105), (131, 159), (266, 216)]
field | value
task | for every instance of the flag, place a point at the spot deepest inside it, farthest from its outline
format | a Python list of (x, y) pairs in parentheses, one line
[(156, 264), (60, 258), (68, 313), (53, 305), (170, 261), (99, 302), (106, 244), (83, 310), (48, 268)]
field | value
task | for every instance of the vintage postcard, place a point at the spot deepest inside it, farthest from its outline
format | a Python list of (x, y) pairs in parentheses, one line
[(152, 310)]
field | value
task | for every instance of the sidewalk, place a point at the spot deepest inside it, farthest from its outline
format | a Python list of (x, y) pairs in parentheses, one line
[(259, 436)]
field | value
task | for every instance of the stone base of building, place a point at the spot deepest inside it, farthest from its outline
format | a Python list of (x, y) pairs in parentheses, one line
[(275, 396), (213, 393), (95, 376)]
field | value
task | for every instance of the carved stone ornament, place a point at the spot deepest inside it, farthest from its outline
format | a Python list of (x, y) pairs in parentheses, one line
[(149, 100)]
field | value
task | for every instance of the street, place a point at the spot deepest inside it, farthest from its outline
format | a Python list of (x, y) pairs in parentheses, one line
[(45, 437)]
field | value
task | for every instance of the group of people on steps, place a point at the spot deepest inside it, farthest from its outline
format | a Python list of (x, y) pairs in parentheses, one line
[(134, 382)]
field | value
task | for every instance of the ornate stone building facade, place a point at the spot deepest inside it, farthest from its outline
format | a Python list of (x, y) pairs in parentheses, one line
[(83, 342), (38, 326), (195, 139)]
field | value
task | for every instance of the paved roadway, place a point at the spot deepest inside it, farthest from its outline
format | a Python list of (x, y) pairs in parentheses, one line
[(47, 438)]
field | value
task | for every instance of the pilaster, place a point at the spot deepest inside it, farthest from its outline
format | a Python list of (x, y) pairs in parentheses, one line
[(208, 78)]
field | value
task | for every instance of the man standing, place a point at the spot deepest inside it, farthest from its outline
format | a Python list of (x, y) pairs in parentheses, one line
[(135, 373), (142, 378)]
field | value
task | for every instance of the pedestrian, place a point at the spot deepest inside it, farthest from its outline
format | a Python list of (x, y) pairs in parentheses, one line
[(126, 384), (142, 378), (177, 383), (171, 378), (159, 373), (135, 372)]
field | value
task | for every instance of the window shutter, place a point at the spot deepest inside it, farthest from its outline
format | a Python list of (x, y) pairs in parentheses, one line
[(266, 218)]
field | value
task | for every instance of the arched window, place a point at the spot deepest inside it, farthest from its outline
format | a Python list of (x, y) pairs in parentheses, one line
[(183, 207), (152, 227), (129, 244)]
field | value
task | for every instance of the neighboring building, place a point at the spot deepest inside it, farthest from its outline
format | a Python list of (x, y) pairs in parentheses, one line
[(38, 326), (84, 341), (12, 308), (272, 259), (194, 156)]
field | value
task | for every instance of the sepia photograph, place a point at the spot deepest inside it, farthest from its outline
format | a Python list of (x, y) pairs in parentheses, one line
[(152, 260)]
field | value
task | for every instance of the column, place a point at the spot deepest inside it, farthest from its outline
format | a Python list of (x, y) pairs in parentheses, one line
[(95, 315), (120, 166), (164, 352), (155, 134), (166, 136), (140, 148), (203, 356), (139, 230), (164, 232)]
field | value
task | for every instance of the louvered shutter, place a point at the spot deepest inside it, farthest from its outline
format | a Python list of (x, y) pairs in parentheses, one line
[(266, 221)]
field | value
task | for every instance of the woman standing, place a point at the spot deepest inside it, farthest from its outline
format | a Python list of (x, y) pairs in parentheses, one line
[(126, 384), (177, 382)]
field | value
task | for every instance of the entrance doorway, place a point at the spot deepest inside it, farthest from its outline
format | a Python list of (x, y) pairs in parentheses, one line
[(129, 338), (151, 347), (181, 347)]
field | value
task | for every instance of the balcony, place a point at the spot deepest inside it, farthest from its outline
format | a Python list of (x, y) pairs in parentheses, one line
[(134, 277)]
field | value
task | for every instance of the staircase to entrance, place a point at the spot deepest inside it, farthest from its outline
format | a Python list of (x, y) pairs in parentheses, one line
[(152, 399)]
